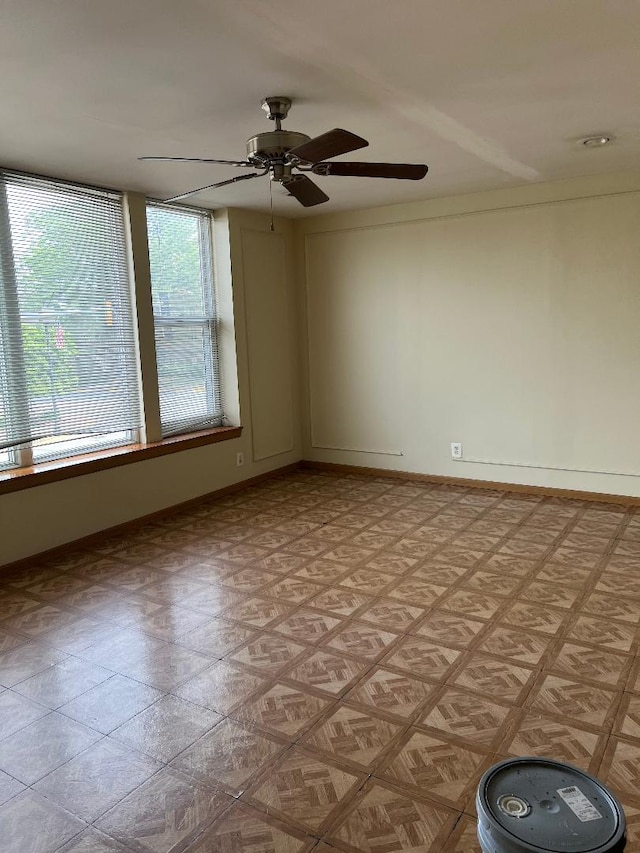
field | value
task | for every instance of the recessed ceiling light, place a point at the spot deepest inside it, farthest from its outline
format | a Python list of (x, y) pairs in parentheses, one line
[(595, 141)]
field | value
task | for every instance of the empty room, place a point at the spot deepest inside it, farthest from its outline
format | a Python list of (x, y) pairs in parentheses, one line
[(319, 426)]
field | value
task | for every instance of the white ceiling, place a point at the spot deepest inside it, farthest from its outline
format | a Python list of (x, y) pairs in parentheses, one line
[(489, 93)]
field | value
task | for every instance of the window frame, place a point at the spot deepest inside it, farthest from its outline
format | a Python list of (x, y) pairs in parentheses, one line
[(24, 472), (29, 453), (209, 322)]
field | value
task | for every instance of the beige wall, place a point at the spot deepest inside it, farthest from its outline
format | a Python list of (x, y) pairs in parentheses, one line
[(508, 321), (266, 383)]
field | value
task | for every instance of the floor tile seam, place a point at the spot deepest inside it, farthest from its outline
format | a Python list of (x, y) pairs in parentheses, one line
[(386, 661), (67, 813), (70, 609), (173, 640), (435, 610), (541, 605), (269, 683), (66, 656), (390, 747), (500, 610), (133, 717), (330, 839), (362, 608), (588, 682), (24, 640), (14, 778), (416, 526), (443, 737), (343, 813), (580, 680), (575, 616), (299, 734), (370, 663), (88, 614), (617, 620), (94, 823), (462, 802), (165, 693), (600, 570), (426, 680), (445, 687), (528, 710), (511, 718), (66, 702), (94, 820), (44, 598), (267, 671), (318, 692), (256, 779), (561, 612), (461, 664), (186, 844), (514, 658), (303, 602), (246, 807), (566, 532), (320, 831), (404, 721), (325, 641), (562, 638), (503, 540), (31, 785), (77, 652)]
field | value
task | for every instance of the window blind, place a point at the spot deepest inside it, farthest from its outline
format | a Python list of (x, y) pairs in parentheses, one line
[(185, 318), (68, 363)]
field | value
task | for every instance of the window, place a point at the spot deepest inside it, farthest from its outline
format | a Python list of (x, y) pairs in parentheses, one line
[(68, 363), (185, 318), (70, 374)]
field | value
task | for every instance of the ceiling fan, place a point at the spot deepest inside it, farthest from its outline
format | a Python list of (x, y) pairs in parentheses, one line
[(279, 152)]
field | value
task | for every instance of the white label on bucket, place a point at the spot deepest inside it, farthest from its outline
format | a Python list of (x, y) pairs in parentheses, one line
[(582, 808)]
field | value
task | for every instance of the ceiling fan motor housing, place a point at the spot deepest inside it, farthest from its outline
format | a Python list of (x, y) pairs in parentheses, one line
[(272, 146)]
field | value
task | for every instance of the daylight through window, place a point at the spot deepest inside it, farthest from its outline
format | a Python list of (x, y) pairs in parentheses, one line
[(185, 318), (68, 367), (70, 377)]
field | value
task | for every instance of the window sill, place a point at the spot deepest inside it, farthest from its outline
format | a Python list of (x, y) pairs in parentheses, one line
[(16, 479)]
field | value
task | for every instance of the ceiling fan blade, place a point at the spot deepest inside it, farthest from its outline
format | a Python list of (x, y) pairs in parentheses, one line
[(195, 160), (303, 189), (403, 171), (330, 144), (215, 186)]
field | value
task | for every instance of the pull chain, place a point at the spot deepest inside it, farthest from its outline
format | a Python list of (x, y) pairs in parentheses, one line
[(271, 228)]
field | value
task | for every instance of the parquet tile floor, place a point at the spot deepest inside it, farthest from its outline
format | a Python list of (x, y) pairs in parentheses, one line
[(319, 662)]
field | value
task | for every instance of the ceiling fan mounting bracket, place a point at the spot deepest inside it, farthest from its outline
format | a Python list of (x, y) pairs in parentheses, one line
[(277, 108)]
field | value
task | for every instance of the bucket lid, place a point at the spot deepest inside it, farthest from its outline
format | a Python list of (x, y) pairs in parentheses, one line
[(550, 806)]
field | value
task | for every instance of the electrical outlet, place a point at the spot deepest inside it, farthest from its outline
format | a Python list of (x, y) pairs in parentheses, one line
[(239, 459), (456, 450)]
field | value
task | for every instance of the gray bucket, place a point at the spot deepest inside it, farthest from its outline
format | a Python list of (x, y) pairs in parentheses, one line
[(530, 805)]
